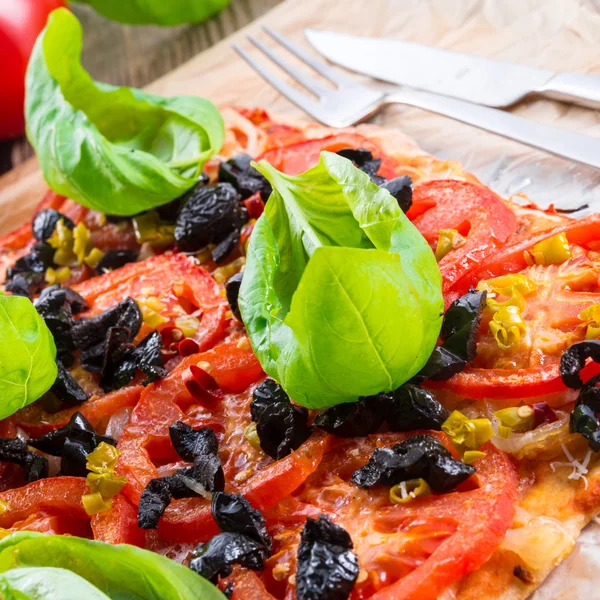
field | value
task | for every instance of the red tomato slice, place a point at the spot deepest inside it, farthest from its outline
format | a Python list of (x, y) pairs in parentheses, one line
[(531, 368), (192, 520), (246, 586), (119, 524), (474, 211), (408, 551), (146, 436), (37, 421), (54, 525), (512, 258), (297, 158), (55, 495), (176, 281)]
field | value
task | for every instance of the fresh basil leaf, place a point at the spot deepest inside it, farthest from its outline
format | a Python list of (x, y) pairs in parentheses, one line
[(157, 12), (38, 583), (120, 571), (341, 295), (117, 150), (27, 355)]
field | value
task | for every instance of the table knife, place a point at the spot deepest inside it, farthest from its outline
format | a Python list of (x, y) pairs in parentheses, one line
[(476, 79)]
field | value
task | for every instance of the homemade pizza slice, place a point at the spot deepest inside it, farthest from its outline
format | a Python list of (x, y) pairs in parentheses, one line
[(472, 480)]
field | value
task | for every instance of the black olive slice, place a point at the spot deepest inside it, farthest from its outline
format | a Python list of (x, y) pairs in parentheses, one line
[(190, 443), (401, 188), (115, 259), (210, 214), (235, 514), (363, 160), (72, 443), (459, 338), (327, 567), (590, 394), (584, 421), (90, 336), (281, 426), (461, 324), (206, 474), (153, 502), (66, 388), (244, 177), (411, 407), (216, 558), (26, 276), (57, 305), (15, 450), (25, 284), (354, 419), (44, 223), (232, 289), (122, 359), (224, 248), (573, 360), (421, 456)]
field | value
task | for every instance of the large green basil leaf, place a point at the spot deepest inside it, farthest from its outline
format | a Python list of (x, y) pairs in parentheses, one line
[(341, 295), (120, 571), (27, 355), (39, 583), (157, 12), (117, 150)]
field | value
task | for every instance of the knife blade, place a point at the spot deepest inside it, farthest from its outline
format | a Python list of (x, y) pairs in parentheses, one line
[(476, 79)]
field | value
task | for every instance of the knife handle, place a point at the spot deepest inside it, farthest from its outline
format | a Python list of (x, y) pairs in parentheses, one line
[(575, 88), (567, 144)]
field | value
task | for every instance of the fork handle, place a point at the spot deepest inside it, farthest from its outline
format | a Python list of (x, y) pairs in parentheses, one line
[(567, 144)]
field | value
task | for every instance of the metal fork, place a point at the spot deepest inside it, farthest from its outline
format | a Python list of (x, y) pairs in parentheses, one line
[(348, 103)]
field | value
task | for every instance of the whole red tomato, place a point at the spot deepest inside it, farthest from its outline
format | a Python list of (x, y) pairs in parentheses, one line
[(20, 23)]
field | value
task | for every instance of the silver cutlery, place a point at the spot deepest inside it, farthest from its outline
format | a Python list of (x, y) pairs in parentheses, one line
[(473, 78), (348, 103)]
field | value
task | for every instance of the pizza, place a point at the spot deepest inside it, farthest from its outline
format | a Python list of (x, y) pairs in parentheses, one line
[(162, 430)]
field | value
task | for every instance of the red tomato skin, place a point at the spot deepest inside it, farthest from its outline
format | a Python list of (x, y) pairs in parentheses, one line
[(233, 367), (246, 585), (507, 384), (36, 421), (57, 495), (192, 521), (297, 158), (20, 23), (472, 210), (119, 524), (512, 258), (53, 525), (450, 561)]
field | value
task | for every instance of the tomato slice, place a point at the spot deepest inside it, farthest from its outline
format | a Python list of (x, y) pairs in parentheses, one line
[(474, 211), (297, 158), (530, 368), (512, 258), (37, 421), (247, 585), (176, 281), (53, 525), (146, 436), (55, 495), (408, 551), (119, 524), (192, 520)]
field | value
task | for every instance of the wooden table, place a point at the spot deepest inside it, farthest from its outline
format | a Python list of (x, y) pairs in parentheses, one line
[(136, 55)]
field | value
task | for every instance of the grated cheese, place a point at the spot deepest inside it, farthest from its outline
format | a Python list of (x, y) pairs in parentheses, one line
[(580, 469)]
